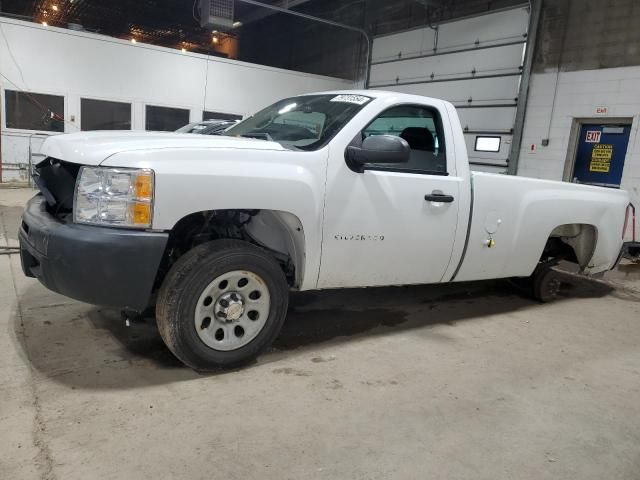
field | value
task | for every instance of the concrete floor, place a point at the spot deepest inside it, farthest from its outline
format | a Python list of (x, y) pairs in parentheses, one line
[(457, 382)]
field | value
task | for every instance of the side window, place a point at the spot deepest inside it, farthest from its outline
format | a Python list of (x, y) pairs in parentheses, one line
[(104, 115), (165, 119), (422, 129), (34, 111)]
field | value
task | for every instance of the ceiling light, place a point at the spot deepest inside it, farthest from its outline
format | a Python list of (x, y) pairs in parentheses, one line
[(237, 24), (215, 39), (55, 8), (214, 32)]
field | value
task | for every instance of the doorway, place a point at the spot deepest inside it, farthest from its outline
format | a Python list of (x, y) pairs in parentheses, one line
[(599, 152)]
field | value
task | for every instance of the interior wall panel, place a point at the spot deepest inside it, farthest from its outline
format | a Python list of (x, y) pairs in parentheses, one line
[(37, 59)]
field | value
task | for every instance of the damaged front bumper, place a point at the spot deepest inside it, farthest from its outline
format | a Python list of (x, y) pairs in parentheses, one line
[(103, 266)]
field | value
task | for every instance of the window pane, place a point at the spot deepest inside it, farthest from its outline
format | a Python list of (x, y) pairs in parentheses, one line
[(32, 111), (488, 144), (421, 128), (312, 121), (103, 115), (306, 122), (220, 116), (166, 119)]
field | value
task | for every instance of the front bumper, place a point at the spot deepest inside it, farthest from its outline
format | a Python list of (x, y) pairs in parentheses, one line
[(103, 266)]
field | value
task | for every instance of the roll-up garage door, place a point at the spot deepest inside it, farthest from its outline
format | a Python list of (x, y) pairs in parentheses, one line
[(475, 63)]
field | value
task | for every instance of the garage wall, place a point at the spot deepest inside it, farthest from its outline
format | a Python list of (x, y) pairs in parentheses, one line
[(475, 63), (587, 56), (83, 65), (551, 112)]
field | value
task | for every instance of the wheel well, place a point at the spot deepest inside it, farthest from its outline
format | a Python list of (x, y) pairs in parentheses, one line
[(573, 242), (278, 232)]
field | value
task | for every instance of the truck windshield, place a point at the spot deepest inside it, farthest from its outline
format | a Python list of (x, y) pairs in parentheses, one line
[(307, 122)]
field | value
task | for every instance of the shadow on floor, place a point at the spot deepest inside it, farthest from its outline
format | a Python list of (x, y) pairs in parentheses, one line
[(90, 347), (10, 221)]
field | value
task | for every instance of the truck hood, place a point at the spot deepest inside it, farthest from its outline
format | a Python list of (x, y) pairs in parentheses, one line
[(92, 148)]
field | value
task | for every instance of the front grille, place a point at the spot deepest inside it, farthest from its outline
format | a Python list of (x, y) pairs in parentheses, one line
[(56, 180)]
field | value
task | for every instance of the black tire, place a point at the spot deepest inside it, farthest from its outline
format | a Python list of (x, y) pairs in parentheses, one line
[(185, 282), (546, 284)]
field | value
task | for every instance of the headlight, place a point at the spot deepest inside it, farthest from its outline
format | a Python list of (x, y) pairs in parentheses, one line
[(118, 197)]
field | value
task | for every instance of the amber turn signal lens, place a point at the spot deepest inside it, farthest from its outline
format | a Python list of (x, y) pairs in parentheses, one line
[(140, 213), (143, 186)]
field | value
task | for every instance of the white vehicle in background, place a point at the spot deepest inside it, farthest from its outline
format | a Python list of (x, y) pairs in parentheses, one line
[(328, 190), (208, 127)]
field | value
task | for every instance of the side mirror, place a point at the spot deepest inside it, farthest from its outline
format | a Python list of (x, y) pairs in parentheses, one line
[(378, 149)]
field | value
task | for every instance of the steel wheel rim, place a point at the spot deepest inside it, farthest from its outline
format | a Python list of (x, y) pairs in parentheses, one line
[(553, 287), (232, 310)]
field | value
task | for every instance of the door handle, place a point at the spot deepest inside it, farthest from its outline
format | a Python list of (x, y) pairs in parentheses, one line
[(438, 197)]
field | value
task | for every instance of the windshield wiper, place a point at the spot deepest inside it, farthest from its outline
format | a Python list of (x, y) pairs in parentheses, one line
[(258, 135)]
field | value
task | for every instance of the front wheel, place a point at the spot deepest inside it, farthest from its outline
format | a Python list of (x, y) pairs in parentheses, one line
[(222, 304)]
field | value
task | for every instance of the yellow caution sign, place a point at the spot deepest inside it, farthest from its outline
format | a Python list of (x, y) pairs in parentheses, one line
[(601, 158)]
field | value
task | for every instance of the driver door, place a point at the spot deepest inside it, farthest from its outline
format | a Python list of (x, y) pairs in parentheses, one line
[(384, 226)]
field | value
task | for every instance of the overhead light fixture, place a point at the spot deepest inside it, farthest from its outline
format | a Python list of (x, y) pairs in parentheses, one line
[(214, 32), (237, 24), (215, 39), (54, 8)]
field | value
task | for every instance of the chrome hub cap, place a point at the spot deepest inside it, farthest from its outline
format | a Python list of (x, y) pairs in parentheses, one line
[(232, 310), (229, 307)]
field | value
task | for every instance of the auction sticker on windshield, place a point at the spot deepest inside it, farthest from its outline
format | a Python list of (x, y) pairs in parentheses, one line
[(357, 99)]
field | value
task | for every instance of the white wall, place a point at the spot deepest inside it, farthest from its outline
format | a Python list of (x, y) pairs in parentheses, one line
[(578, 95), (84, 65)]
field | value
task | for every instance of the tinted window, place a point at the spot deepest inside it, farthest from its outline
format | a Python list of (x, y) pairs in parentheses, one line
[(103, 115), (34, 111), (165, 119), (421, 128), (220, 116)]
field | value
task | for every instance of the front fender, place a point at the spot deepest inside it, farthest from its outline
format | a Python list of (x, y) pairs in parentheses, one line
[(194, 180)]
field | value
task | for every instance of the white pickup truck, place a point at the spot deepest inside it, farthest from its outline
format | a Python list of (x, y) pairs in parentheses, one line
[(328, 190)]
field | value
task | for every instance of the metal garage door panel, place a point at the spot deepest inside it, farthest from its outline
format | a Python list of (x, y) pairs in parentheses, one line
[(403, 44), (488, 157), (488, 169), (486, 90), (490, 29), (495, 27), (493, 99), (498, 60), (487, 118)]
